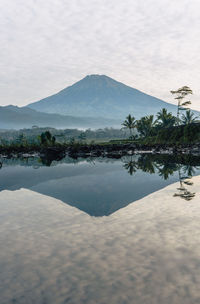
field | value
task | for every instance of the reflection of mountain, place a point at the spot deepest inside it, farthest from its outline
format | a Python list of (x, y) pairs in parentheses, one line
[(52, 253), (98, 188)]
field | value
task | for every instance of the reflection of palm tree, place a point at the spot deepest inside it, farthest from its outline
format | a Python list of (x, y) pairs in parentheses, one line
[(130, 165), (166, 170), (189, 170), (146, 164), (1, 165)]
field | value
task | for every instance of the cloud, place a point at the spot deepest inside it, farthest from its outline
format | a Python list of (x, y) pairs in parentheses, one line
[(47, 45)]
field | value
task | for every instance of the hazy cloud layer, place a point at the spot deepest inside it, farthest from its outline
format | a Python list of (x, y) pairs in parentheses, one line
[(151, 45)]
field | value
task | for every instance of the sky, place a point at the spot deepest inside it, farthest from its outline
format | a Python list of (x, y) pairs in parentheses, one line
[(47, 45)]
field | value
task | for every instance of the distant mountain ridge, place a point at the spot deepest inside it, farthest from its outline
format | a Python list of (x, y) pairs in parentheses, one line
[(100, 95), (13, 117), (96, 101)]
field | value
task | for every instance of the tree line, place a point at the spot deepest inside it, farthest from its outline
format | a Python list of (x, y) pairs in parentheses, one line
[(149, 126)]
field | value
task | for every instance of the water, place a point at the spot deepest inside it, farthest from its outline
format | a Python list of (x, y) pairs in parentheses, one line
[(73, 231), (96, 186)]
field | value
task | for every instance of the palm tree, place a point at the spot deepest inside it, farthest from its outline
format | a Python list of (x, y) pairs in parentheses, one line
[(129, 123), (165, 119), (189, 118), (145, 125)]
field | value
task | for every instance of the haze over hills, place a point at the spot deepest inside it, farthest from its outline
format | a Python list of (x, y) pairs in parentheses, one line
[(101, 96), (12, 117)]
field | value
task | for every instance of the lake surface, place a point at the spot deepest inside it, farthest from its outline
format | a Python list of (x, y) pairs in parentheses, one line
[(96, 186), (100, 230)]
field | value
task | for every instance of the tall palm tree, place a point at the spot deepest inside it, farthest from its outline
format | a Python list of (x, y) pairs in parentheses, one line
[(129, 123), (189, 118), (145, 125), (165, 119)]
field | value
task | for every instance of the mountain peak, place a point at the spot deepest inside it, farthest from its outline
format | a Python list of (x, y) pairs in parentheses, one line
[(96, 76), (98, 95), (96, 80)]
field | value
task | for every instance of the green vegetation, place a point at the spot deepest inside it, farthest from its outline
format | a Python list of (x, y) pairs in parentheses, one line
[(145, 126), (165, 129), (165, 119), (46, 139), (129, 123), (180, 94), (183, 134), (189, 118), (166, 166)]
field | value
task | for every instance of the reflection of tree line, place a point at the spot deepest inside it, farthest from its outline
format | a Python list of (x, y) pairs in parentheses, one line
[(165, 166)]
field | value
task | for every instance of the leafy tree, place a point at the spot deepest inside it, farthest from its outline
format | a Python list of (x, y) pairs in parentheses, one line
[(46, 138), (48, 135), (165, 119), (129, 123), (180, 94), (189, 118)]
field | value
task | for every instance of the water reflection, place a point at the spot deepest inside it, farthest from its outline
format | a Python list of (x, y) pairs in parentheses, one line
[(165, 167), (100, 186), (145, 253), (185, 176), (131, 166)]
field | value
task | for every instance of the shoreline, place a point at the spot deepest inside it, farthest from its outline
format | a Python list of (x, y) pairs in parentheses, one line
[(99, 150)]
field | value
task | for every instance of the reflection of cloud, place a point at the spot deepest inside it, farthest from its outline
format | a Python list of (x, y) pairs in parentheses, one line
[(46, 45), (53, 253)]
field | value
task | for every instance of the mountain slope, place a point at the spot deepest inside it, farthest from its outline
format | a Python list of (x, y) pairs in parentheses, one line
[(12, 117), (99, 95)]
